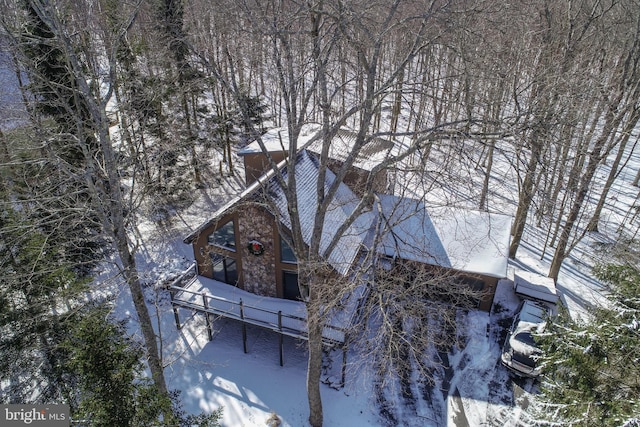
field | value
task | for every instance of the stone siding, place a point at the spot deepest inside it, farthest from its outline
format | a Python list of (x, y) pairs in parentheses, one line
[(254, 223)]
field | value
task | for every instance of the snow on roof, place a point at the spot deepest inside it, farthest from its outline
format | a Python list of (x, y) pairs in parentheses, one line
[(253, 188), (373, 152), (340, 208), (408, 233), (343, 204), (461, 239), (277, 140), (536, 286)]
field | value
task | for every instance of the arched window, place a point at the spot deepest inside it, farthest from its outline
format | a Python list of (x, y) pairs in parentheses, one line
[(286, 252), (224, 237)]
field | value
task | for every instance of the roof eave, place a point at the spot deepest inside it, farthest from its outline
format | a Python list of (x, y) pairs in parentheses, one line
[(246, 193)]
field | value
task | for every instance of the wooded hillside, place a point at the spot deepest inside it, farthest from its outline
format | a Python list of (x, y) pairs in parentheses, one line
[(131, 104)]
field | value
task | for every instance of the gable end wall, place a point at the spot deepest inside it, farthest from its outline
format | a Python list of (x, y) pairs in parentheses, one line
[(259, 271)]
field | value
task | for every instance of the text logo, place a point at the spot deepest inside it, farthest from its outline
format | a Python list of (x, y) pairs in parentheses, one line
[(34, 415)]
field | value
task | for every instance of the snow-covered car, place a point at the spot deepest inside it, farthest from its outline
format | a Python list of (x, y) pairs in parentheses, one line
[(520, 352)]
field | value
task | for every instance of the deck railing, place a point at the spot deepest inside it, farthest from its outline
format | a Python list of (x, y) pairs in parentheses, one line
[(284, 324), (277, 321)]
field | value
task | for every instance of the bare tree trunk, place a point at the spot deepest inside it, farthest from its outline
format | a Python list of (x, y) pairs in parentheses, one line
[(594, 159), (314, 327), (102, 175), (482, 204), (613, 173), (130, 272), (524, 200), (114, 218), (397, 104), (619, 96), (561, 252), (5, 158)]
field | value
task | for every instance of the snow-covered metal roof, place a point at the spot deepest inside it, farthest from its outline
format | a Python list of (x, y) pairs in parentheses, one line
[(277, 140), (461, 239), (372, 153), (244, 195), (340, 208)]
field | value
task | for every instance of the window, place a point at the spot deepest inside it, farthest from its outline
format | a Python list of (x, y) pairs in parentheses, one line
[(286, 252), (224, 269), (224, 236), (290, 289), (476, 285)]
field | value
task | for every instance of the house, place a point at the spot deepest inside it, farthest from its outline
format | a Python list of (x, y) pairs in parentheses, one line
[(246, 242), (472, 245)]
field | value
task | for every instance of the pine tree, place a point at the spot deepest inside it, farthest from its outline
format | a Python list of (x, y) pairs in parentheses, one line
[(57, 348), (593, 367), (108, 365), (251, 113), (99, 173), (38, 301)]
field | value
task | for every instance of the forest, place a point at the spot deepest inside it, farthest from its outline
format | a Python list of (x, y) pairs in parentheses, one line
[(130, 108)]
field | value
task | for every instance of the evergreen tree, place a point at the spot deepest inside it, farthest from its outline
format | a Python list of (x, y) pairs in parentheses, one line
[(38, 301), (56, 348), (593, 367), (251, 113), (62, 131), (108, 365), (110, 389), (101, 173)]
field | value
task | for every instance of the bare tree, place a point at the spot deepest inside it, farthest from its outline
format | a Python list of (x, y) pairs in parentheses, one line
[(304, 40), (99, 169), (616, 167), (449, 80), (620, 111)]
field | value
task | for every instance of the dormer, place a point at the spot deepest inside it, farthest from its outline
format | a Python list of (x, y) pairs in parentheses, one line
[(276, 142), (256, 163)]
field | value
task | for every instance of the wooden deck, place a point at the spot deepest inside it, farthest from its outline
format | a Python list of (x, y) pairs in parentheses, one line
[(190, 293)]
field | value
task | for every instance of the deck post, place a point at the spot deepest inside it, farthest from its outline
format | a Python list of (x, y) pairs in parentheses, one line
[(280, 336), (207, 319), (345, 347), (244, 327), (175, 309)]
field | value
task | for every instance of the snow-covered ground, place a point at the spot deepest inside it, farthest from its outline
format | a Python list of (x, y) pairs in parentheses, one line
[(476, 390), (252, 386)]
